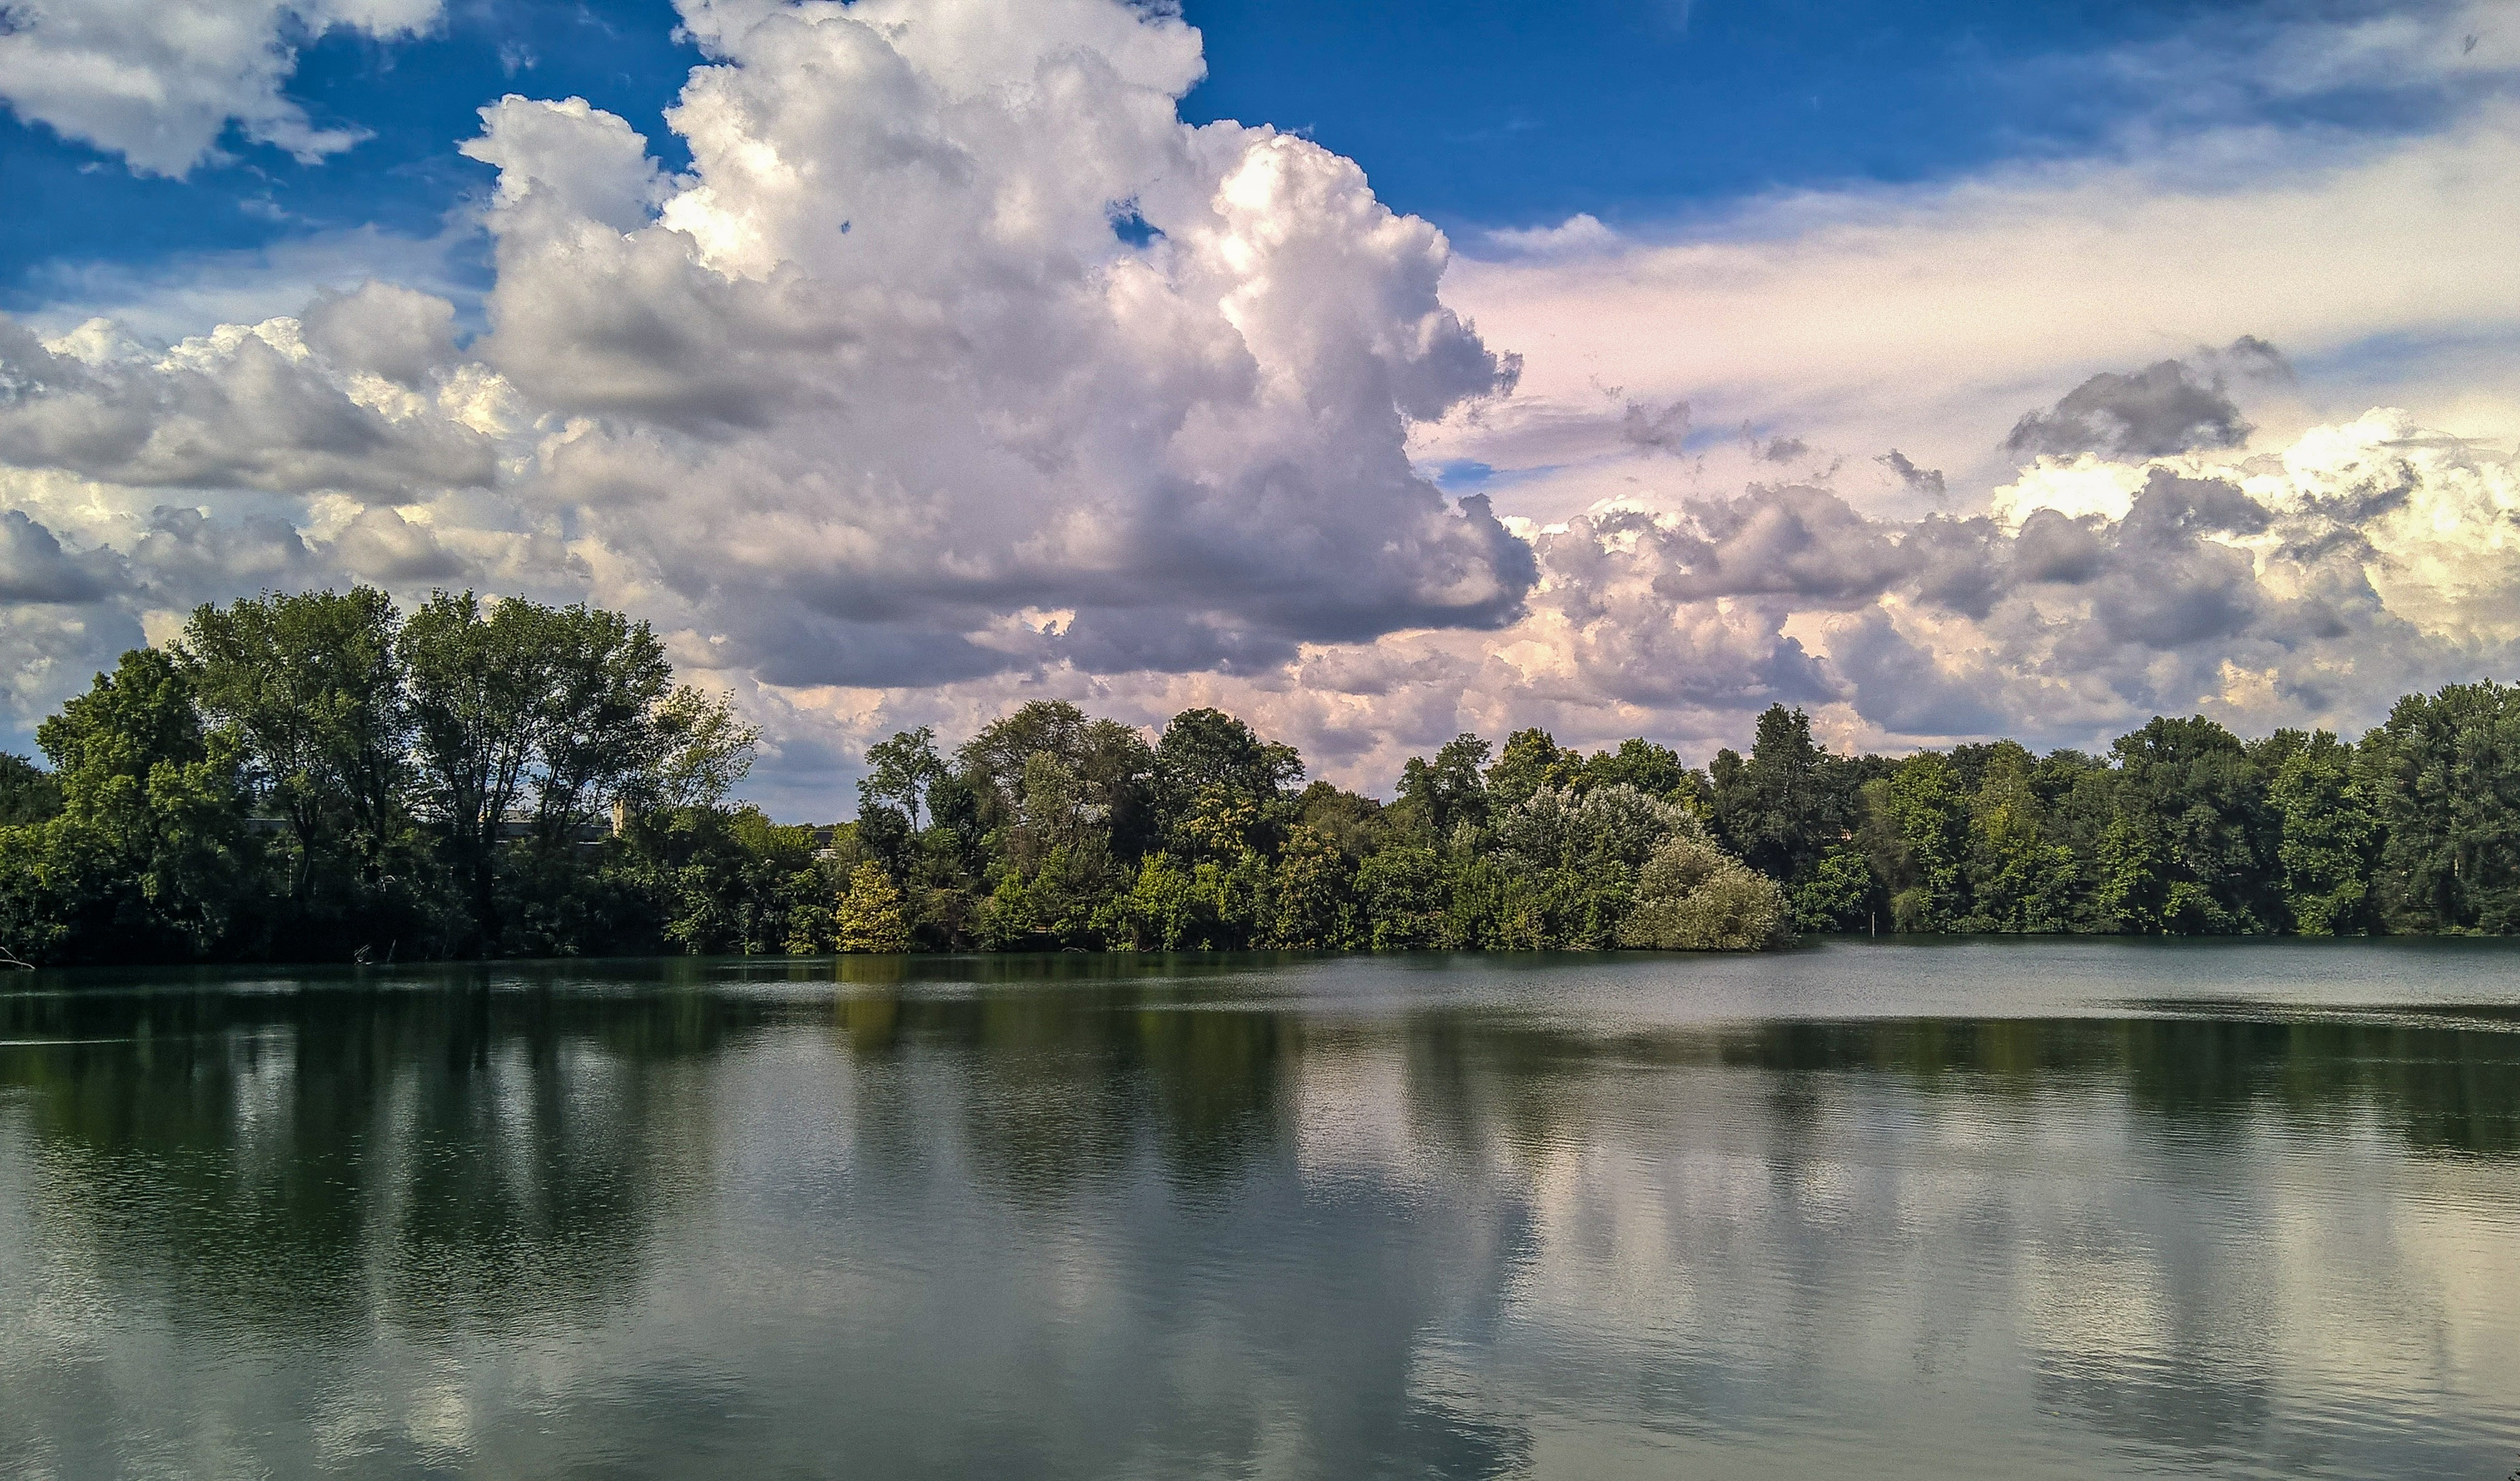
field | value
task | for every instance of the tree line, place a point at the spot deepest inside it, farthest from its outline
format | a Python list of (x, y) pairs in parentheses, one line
[(322, 777)]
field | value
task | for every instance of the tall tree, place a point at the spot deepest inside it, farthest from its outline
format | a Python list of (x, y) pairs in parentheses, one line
[(476, 689), (2444, 775), (146, 858), (1779, 810), (609, 676), (2329, 836), (899, 772), (2020, 879), (1531, 760), (1654, 770), (1218, 784), (2190, 845), (308, 687), (1450, 790), (542, 715), (993, 759), (1923, 833)]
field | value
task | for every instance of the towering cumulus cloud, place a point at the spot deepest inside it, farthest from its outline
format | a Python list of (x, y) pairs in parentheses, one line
[(958, 352)]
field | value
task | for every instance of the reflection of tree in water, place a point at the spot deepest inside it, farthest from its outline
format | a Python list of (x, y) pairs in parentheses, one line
[(1067, 1064), (2443, 1089), (2192, 1412), (1453, 1440), (2448, 1089), (296, 1161), (1477, 1086)]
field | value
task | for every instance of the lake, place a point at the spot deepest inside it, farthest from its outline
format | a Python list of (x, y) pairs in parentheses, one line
[(2063, 1208)]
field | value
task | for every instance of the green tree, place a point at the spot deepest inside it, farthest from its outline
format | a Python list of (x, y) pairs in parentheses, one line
[(307, 687), (1313, 894), (28, 792), (1779, 810), (477, 691), (1692, 896), (1532, 759), (2443, 775), (1450, 790), (1839, 894), (718, 879), (869, 916), (2330, 837), (702, 750), (2190, 845), (1220, 786), (1654, 770), (2020, 880), (601, 740), (1103, 772), (1055, 905), (147, 857), (1922, 845), (1161, 911), (1352, 821), (899, 772), (1402, 889), (540, 718)]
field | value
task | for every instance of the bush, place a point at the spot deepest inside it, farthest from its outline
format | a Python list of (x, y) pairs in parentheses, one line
[(1692, 897)]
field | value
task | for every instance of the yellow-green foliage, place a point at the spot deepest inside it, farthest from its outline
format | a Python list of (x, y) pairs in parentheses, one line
[(1693, 897), (869, 916)]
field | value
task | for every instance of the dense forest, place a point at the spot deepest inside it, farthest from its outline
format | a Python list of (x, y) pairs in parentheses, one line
[(322, 777)]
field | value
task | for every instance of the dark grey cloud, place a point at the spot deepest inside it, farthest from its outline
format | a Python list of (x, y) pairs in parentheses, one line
[(1901, 688), (33, 566), (2052, 547), (1927, 481), (1797, 542), (2163, 409), (2254, 359), (1663, 428)]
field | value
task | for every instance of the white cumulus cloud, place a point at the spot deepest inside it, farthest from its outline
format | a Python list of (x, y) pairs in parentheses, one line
[(159, 82)]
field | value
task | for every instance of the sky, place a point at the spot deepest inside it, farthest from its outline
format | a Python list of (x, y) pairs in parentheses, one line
[(1376, 373)]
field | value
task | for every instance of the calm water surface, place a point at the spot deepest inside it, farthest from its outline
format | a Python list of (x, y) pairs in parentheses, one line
[(2076, 1208)]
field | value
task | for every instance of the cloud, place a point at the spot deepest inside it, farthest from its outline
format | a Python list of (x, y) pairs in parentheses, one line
[(2155, 411), (568, 160), (1928, 318), (876, 393), (36, 571), (1579, 235), (2308, 586), (159, 82), (1927, 481), (1665, 429), (381, 329), (243, 407), (880, 372)]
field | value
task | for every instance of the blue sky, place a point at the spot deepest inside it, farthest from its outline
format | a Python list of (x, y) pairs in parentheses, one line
[(1642, 112)]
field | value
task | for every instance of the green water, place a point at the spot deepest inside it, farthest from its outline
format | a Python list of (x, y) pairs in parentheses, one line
[(2064, 1208)]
